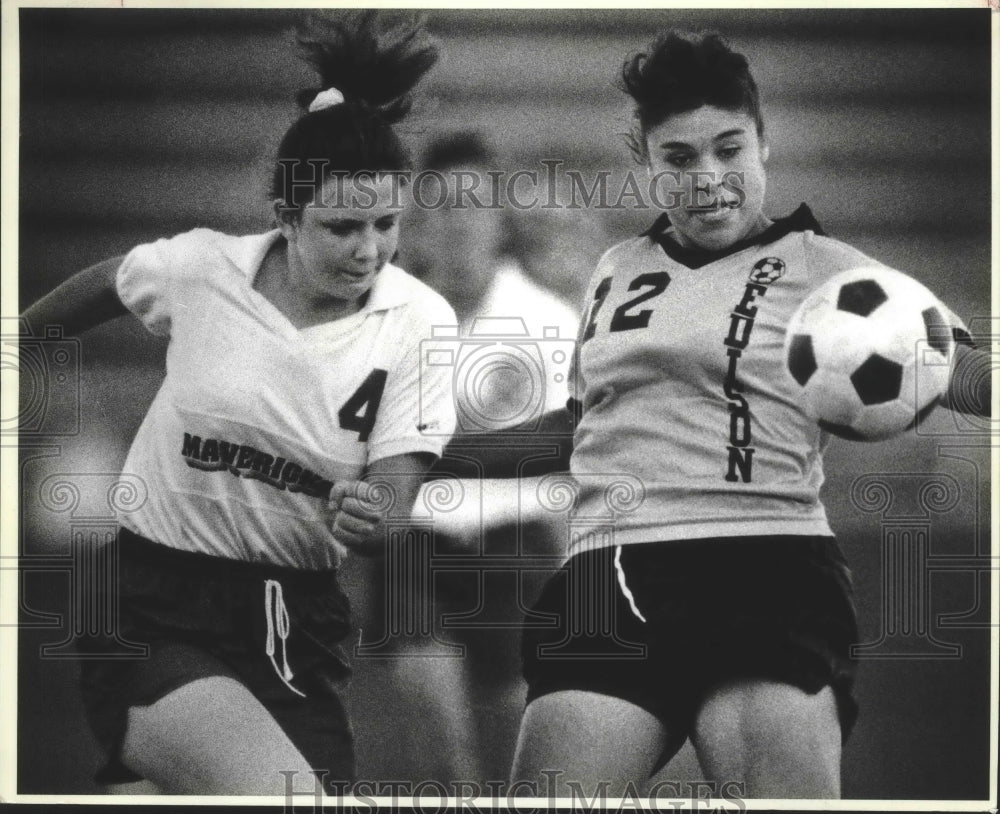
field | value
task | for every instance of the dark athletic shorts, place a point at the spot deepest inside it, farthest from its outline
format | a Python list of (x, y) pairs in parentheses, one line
[(203, 616), (777, 608)]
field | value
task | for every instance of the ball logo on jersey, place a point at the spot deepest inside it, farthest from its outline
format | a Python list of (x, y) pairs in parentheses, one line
[(768, 270)]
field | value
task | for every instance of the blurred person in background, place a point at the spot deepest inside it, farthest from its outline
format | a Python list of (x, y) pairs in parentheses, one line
[(290, 404), (558, 246), (461, 247), (457, 248)]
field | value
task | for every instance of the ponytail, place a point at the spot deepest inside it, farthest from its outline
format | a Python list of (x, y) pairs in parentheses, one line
[(367, 67)]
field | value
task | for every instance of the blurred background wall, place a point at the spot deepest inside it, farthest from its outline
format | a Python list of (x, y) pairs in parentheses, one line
[(140, 124)]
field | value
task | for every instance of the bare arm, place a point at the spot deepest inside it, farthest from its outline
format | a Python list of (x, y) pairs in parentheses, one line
[(86, 300), (534, 449), (500, 472), (403, 474), (388, 491)]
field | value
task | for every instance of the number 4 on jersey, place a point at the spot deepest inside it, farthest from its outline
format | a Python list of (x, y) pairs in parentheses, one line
[(359, 411)]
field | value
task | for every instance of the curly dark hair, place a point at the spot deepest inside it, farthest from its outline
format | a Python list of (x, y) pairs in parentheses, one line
[(680, 73)]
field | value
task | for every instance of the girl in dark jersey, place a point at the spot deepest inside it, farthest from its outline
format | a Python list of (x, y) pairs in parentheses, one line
[(705, 596)]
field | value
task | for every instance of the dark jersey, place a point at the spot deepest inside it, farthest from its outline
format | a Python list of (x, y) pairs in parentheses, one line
[(686, 399)]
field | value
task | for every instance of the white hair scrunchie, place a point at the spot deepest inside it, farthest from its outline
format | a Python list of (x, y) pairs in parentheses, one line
[(331, 97)]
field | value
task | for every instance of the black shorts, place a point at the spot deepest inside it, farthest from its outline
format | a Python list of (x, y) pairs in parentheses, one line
[(777, 608), (200, 616)]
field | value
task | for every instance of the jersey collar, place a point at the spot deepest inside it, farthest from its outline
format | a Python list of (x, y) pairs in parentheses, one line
[(389, 290), (801, 220)]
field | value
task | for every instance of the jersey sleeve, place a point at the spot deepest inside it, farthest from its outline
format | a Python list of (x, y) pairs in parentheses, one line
[(959, 330), (148, 278), (827, 256), (574, 379), (417, 412), (830, 256), (577, 383)]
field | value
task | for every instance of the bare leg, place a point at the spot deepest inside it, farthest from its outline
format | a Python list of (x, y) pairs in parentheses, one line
[(212, 737), (780, 741), (440, 717), (588, 738)]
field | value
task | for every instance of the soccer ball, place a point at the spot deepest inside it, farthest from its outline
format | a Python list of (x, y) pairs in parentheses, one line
[(870, 352)]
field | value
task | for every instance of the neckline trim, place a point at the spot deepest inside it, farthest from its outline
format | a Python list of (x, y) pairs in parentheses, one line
[(801, 220)]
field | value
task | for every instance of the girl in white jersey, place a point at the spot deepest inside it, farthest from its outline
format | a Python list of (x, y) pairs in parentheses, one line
[(292, 423), (705, 596)]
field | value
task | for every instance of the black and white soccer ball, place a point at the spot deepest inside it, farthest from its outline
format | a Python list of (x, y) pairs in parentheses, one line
[(870, 353)]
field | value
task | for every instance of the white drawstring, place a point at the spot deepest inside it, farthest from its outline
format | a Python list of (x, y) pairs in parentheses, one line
[(623, 585), (277, 619)]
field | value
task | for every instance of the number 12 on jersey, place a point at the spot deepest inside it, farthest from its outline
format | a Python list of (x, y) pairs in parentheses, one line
[(655, 284)]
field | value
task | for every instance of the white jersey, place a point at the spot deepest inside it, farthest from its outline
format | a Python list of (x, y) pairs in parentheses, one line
[(683, 391), (256, 418), (531, 361)]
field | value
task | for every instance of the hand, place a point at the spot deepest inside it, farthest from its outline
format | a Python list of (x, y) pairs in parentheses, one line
[(357, 523)]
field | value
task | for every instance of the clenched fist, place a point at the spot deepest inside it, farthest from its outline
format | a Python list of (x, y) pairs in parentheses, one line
[(357, 521)]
